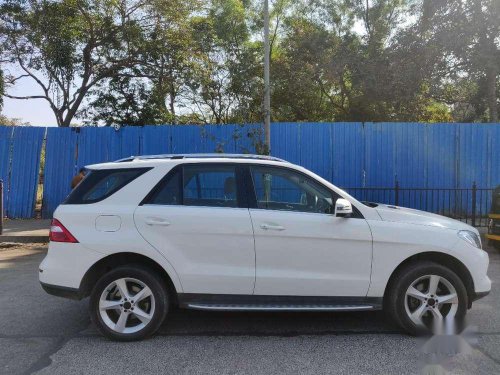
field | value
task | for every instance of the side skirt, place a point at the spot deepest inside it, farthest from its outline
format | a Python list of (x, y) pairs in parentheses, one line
[(230, 302)]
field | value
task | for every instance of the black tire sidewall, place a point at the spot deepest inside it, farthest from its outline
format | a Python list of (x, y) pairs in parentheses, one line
[(149, 278), (407, 277)]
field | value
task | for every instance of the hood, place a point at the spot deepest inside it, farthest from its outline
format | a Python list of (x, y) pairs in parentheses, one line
[(411, 216)]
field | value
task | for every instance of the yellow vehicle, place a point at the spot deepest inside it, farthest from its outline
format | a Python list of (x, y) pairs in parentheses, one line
[(494, 224)]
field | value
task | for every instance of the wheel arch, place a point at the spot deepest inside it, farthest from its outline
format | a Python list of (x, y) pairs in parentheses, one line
[(112, 261), (443, 259)]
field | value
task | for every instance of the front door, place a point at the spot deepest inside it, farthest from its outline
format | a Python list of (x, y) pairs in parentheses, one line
[(302, 249), (198, 220)]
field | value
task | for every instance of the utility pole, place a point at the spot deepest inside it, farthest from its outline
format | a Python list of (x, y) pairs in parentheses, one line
[(267, 93)]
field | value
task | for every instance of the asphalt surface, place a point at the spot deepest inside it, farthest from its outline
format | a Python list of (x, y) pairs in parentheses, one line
[(43, 334)]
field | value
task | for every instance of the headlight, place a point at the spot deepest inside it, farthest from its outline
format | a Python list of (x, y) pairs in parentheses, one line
[(470, 237)]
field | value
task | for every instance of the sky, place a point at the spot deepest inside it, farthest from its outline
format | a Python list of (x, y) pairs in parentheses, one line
[(35, 111)]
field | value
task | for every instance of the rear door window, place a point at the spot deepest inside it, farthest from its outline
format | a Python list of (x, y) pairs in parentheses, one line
[(210, 185), (168, 191), (100, 184)]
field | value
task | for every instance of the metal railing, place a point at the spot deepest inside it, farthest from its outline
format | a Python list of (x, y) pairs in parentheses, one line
[(1, 206), (470, 205)]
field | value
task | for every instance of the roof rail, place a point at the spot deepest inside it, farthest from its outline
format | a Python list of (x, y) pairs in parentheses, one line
[(200, 156)]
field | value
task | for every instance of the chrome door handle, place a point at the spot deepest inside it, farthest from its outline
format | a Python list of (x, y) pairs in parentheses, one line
[(272, 227), (157, 222)]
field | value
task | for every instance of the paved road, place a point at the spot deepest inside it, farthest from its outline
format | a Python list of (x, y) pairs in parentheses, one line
[(49, 335)]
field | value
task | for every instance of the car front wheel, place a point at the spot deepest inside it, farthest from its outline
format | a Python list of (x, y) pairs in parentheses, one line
[(128, 303), (425, 296)]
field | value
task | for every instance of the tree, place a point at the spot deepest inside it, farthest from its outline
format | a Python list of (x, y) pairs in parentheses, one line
[(67, 47), (304, 83), (148, 92), (7, 121), (224, 78), (169, 51), (324, 70), (125, 101), (2, 89), (137, 62), (468, 32)]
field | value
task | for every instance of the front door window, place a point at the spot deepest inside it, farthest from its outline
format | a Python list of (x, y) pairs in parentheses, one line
[(285, 190)]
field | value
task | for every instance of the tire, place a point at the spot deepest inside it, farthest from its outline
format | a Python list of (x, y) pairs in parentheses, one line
[(120, 317), (406, 309), (496, 245)]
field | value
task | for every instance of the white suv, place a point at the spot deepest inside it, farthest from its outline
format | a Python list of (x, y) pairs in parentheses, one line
[(248, 233)]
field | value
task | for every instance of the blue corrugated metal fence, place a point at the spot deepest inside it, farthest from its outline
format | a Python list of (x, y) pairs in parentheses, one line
[(20, 151), (348, 154)]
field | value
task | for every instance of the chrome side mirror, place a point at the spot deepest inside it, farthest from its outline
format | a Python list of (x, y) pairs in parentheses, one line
[(343, 208)]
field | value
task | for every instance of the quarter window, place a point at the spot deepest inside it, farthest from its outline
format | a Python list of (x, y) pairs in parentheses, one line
[(102, 183), (283, 189)]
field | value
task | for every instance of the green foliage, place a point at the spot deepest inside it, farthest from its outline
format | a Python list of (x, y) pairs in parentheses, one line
[(467, 33), (7, 121), (125, 101), (69, 46), (137, 62)]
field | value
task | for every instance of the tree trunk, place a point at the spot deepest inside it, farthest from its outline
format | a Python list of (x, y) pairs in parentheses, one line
[(59, 118), (72, 110), (491, 91), (172, 107)]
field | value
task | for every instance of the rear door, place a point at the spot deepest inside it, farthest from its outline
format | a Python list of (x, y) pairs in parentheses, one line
[(197, 216)]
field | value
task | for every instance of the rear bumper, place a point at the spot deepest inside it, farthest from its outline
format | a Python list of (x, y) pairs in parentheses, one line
[(62, 291), (64, 267)]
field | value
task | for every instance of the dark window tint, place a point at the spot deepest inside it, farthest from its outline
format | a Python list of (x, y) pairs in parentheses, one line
[(210, 185), (283, 189), (100, 184), (168, 192)]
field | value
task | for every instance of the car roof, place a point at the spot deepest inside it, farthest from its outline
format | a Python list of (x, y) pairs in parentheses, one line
[(153, 160)]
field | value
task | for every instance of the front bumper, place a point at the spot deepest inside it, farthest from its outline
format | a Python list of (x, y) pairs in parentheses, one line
[(479, 295)]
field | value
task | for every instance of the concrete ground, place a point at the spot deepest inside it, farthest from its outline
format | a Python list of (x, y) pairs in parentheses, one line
[(25, 231), (43, 334)]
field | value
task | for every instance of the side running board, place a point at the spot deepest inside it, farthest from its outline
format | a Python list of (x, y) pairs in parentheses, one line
[(230, 302), (246, 307)]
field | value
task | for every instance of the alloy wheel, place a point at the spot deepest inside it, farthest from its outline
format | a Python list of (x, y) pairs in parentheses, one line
[(431, 299), (126, 305)]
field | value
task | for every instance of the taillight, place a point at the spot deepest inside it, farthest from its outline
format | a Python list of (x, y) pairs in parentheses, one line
[(58, 233)]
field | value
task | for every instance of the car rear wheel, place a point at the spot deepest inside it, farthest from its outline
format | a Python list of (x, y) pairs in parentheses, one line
[(128, 303), (425, 297)]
